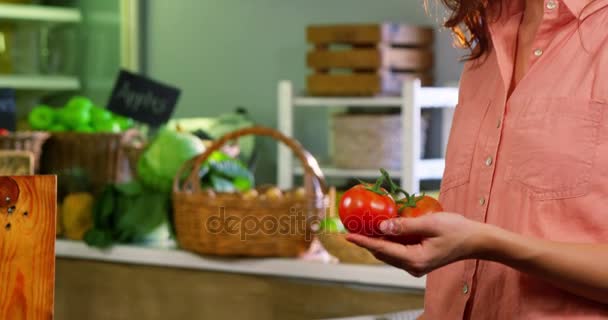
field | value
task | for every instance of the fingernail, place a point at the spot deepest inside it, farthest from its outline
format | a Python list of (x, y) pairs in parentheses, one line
[(387, 226)]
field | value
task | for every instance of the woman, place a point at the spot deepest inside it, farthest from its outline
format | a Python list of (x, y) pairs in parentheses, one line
[(526, 178)]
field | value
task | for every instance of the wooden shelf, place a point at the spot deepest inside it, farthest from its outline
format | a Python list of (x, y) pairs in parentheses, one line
[(39, 13), (39, 82), (429, 169), (366, 275), (430, 97)]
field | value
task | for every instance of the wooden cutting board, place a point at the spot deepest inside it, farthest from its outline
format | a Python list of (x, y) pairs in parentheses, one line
[(28, 208)]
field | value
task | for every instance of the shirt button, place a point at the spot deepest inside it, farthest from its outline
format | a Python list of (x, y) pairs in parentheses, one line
[(498, 123), (482, 201), (538, 52), (551, 5), (465, 288), (489, 161)]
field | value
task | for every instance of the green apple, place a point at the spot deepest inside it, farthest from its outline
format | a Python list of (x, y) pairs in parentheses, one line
[(99, 114), (332, 225), (74, 117), (79, 103), (85, 129), (41, 117), (124, 122), (58, 128), (107, 126)]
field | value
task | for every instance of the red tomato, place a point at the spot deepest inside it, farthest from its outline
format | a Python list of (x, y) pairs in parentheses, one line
[(362, 209), (424, 205), (413, 207), (4, 132)]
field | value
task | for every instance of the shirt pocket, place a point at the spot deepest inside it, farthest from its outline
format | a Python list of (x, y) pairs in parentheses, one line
[(464, 136), (553, 147)]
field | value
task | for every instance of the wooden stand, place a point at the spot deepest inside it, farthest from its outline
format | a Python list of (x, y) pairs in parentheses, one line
[(27, 247)]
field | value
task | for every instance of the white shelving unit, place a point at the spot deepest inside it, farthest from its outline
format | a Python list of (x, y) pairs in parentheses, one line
[(38, 13), (414, 98), (39, 82), (45, 16)]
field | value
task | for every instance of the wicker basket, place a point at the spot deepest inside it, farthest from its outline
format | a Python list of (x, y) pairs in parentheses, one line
[(345, 251), (16, 163), (374, 138), (100, 155), (226, 224), (31, 141)]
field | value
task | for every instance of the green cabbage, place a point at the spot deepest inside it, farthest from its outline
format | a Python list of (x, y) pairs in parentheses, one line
[(167, 153)]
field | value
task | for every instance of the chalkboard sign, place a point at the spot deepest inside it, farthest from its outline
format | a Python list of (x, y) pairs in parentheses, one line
[(8, 116), (143, 99)]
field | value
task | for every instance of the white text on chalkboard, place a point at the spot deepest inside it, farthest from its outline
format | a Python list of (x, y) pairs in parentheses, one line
[(136, 101)]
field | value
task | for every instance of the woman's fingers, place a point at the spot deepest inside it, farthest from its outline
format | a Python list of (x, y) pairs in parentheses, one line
[(384, 247), (422, 226), (394, 254)]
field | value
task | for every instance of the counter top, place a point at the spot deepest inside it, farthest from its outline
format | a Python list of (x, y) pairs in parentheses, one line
[(367, 275)]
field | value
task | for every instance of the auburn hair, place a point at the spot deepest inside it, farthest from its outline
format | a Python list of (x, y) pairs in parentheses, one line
[(468, 21)]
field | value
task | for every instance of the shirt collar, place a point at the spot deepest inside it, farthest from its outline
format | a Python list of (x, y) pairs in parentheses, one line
[(580, 9)]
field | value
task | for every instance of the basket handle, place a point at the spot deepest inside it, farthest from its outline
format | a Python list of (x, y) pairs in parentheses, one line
[(132, 136), (311, 167)]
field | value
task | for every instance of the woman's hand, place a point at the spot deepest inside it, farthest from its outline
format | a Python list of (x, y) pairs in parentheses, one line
[(445, 238), (579, 268)]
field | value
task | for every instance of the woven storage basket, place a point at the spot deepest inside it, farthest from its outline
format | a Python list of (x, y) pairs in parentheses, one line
[(226, 224), (31, 141), (345, 251), (100, 155), (16, 163), (374, 138)]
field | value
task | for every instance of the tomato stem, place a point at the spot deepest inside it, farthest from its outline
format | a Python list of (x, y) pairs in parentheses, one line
[(410, 200), (376, 188)]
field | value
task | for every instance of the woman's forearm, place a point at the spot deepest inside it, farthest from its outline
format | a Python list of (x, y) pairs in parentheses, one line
[(581, 269)]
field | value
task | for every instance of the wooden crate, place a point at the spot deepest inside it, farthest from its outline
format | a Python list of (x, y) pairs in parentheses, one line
[(366, 34), (381, 57), (367, 60), (383, 82)]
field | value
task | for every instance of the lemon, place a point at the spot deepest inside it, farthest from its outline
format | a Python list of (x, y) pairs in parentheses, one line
[(77, 215)]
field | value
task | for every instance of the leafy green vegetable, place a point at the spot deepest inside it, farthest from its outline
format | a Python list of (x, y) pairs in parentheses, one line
[(126, 213), (225, 174), (165, 156), (221, 184)]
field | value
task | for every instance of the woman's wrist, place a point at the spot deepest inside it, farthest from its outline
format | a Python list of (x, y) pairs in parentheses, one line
[(502, 246)]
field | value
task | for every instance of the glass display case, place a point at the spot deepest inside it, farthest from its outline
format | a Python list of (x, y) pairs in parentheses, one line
[(53, 49)]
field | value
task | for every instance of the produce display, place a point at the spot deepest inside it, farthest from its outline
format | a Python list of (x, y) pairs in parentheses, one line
[(78, 115), (363, 207), (139, 211)]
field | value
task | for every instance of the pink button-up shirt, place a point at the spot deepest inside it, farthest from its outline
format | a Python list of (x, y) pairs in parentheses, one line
[(535, 162)]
